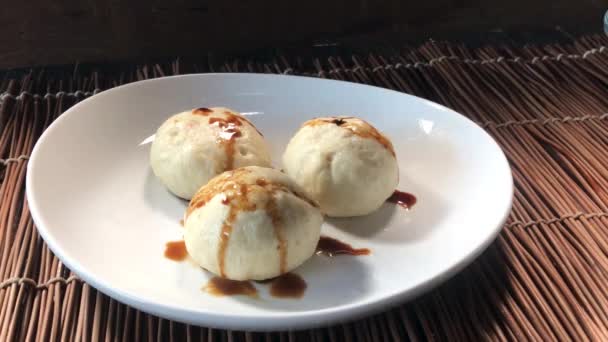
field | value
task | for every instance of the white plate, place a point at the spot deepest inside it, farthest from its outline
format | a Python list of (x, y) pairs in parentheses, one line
[(103, 213)]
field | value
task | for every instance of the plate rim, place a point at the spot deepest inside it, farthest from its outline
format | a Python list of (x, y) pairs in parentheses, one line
[(270, 321)]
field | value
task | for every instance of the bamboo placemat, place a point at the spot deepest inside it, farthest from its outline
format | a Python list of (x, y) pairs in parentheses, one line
[(544, 278)]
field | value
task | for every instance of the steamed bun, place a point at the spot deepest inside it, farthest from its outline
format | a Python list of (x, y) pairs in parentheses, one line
[(192, 147), (251, 223), (344, 164)]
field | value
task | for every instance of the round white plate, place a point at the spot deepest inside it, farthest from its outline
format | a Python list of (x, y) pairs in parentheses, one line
[(103, 213)]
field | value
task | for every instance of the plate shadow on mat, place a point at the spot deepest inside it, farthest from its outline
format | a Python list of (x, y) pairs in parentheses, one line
[(471, 302)]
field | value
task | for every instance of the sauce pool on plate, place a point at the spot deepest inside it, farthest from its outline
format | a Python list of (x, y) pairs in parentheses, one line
[(219, 287), (288, 285), (331, 247), (403, 199), (176, 250)]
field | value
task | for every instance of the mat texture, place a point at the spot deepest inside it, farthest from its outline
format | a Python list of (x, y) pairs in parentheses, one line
[(544, 278)]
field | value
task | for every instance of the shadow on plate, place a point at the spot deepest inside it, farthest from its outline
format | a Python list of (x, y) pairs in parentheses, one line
[(162, 200), (429, 168), (325, 277), (394, 224)]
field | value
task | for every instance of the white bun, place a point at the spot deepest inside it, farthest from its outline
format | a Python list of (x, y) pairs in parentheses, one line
[(344, 164), (251, 223), (192, 147)]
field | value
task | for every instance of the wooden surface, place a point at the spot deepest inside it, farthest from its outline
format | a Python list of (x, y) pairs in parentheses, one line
[(545, 278), (42, 32)]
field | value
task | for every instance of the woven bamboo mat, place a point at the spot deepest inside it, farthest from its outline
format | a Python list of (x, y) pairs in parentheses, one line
[(544, 278)]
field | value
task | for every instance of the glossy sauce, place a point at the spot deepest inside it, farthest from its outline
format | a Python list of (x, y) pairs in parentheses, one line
[(202, 111), (288, 285), (243, 118), (229, 127), (403, 199), (176, 250), (357, 127), (331, 247), (225, 238), (225, 287), (277, 224), (339, 121)]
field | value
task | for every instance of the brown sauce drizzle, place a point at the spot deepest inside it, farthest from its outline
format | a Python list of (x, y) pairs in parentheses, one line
[(202, 111), (338, 122), (229, 127), (261, 182), (229, 131), (225, 287), (224, 238), (277, 223), (225, 183), (176, 250), (356, 126), (247, 121), (403, 199), (331, 247), (181, 222), (288, 285), (235, 188)]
